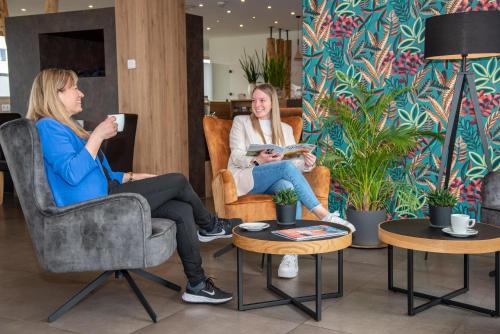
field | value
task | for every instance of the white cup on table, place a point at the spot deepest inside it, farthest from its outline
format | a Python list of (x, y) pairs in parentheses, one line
[(460, 223)]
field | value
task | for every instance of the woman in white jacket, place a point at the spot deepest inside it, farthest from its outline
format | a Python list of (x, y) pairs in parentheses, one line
[(268, 173)]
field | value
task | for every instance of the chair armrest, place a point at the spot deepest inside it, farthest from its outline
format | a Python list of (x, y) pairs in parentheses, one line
[(224, 188), (319, 180), (101, 234)]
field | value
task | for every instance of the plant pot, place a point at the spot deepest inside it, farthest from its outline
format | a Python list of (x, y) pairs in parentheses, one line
[(285, 214), (251, 87), (366, 224), (440, 216)]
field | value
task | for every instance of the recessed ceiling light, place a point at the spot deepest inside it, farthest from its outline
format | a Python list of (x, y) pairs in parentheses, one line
[(292, 13), (200, 5), (91, 6), (208, 28), (269, 7), (217, 21), (242, 0), (275, 22), (241, 25), (228, 11), (253, 17), (23, 9)]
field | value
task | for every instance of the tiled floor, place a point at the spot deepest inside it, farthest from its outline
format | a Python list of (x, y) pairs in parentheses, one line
[(28, 295)]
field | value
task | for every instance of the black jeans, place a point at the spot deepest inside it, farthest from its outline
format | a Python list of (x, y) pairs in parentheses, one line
[(171, 196)]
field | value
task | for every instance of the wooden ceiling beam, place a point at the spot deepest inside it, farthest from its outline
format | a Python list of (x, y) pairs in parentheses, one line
[(51, 6)]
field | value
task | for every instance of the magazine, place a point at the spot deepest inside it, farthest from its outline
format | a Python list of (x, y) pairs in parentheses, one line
[(255, 149), (310, 232)]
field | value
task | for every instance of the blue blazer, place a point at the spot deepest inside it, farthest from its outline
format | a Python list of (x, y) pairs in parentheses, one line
[(73, 175)]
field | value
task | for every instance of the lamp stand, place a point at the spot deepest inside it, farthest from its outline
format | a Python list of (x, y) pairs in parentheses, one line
[(463, 77)]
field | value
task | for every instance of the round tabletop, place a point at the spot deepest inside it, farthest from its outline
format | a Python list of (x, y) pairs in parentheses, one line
[(268, 243), (416, 234)]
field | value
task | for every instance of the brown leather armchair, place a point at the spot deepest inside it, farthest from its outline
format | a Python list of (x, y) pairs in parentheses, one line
[(251, 207)]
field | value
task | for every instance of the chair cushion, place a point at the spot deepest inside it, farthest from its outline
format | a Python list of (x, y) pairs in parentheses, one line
[(162, 243)]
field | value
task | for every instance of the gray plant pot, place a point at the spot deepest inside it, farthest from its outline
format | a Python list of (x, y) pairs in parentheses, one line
[(366, 223), (285, 214), (440, 216)]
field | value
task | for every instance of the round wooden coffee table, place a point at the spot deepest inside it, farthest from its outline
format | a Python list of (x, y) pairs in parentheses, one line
[(265, 242), (416, 234)]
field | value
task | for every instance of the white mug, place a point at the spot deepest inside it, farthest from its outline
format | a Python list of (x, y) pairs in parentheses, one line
[(460, 223), (119, 120)]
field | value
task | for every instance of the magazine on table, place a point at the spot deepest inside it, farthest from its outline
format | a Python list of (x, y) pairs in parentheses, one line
[(310, 232), (290, 150)]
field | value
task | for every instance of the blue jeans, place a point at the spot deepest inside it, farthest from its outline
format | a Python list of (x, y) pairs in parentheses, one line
[(273, 177)]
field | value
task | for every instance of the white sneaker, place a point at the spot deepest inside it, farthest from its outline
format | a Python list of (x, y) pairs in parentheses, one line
[(333, 217), (289, 266)]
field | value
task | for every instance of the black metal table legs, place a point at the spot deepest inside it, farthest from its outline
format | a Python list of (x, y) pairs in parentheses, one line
[(446, 299), (285, 298)]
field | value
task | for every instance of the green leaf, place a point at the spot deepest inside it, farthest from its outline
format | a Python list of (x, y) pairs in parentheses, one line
[(341, 7), (480, 70), (488, 90), (405, 44), (421, 120), (496, 76), (492, 65), (404, 115), (407, 30), (477, 159), (417, 27), (476, 172), (482, 81)]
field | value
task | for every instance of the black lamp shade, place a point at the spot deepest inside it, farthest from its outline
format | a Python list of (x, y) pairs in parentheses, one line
[(471, 34)]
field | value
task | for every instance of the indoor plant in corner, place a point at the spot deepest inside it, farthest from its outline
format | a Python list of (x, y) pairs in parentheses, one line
[(250, 65), (373, 147), (286, 206), (441, 203)]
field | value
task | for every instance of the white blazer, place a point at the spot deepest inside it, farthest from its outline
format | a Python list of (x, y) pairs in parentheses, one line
[(241, 136)]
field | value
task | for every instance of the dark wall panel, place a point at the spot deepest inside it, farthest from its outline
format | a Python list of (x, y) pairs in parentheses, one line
[(194, 53), (101, 93)]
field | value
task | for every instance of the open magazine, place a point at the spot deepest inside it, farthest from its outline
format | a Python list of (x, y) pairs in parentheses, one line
[(255, 149), (310, 232)]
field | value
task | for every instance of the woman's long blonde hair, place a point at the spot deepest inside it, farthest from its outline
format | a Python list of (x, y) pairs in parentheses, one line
[(278, 137), (45, 102)]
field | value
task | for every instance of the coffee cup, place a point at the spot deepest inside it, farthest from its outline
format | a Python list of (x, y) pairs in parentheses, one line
[(119, 120), (460, 223)]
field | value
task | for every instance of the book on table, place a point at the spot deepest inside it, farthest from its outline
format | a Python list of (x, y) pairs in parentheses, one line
[(310, 232), (290, 150)]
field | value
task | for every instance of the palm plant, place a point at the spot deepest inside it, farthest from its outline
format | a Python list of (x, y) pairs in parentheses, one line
[(273, 70), (373, 146), (251, 67)]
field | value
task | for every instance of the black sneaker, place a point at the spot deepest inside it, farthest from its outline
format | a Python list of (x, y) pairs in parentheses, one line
[(221, 229), (210, 294)]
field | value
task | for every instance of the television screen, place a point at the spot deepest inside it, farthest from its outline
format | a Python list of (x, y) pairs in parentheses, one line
[(80, 51)]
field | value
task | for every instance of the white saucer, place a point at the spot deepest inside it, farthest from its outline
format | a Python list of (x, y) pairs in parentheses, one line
[(470, 232), (254, 227)]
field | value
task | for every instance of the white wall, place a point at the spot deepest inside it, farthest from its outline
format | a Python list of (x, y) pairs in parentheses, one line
[(224, 53)]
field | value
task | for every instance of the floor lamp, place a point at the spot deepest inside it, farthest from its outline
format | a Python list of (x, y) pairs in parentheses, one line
[(462, 36)]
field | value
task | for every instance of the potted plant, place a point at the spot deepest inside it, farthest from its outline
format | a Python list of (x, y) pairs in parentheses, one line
[(441, 203), (286, 206), (274, 72), (251, 67), (373, 147)]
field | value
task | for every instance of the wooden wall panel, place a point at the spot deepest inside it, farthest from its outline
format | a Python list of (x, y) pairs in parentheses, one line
[(153, 32)]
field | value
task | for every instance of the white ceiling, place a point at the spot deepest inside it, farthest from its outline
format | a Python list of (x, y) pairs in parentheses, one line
[(212, 10), (37, 6), (242, 12)]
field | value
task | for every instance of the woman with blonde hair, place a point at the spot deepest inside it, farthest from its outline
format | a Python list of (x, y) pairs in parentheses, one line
[(268, 173), (77, 171)]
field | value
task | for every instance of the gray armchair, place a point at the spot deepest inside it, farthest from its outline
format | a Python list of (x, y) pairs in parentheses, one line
[(490, 203), (114, 234)]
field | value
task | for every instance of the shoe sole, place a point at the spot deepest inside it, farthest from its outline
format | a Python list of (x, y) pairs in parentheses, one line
[(193, 299), (287, 275), (203, 238)]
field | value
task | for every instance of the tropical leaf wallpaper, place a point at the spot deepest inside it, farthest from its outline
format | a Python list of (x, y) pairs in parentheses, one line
[(381, 43)]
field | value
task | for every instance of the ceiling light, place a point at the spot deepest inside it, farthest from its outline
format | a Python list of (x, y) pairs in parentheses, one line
[(228, 11), (253, 17), (208, 28), (269, 7), (217, 21), (200, 5), (241, 25), (242, 0), (292, 13), (275, 22), (23, 9), (91, 6)]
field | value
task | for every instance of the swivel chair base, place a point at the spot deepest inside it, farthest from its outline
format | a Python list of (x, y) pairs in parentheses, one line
[(118, 274)]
